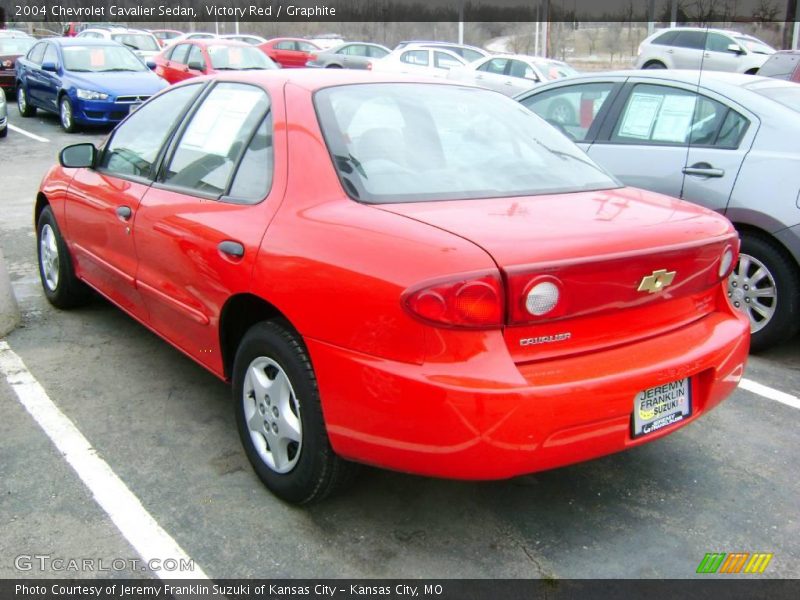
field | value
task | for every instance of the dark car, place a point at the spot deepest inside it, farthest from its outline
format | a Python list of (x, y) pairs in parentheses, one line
[(784, 64), (11, 48), (85, 82), (353, 55)]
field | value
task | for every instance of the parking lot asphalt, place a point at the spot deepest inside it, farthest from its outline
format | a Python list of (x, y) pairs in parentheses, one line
[(728, 483)]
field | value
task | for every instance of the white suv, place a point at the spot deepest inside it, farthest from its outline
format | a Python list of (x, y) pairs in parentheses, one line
[(143, 43), (710, 49)]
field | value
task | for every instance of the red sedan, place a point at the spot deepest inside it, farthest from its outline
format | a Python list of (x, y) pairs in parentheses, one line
[(289, 52), (412, 275), (193, 58)]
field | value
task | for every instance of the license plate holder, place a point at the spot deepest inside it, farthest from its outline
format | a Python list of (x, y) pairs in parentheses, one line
[(661, 406)]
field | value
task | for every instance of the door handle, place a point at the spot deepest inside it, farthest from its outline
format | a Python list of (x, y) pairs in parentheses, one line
[(231, 248), (670, 51), (124, 212), (703, 169)]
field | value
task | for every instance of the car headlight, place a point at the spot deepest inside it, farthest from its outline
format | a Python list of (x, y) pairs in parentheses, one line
[(90, 95), (2, 95)]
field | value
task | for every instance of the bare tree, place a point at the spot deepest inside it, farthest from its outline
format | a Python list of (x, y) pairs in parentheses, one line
[(613, 40), (592, 35)]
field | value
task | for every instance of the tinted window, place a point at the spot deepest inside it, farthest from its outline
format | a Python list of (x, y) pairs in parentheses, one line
[(573, 108), (37, 53), (522, 70), (215, 139), (718, 43), (496, 66), (136, 41), (445, 61), (50, 55), (663, 115), (135, 144), (665, 38), (196, 58), (690, 39), (254, 176), (375, 52), (415, 57), (416, 142), (181, 53)]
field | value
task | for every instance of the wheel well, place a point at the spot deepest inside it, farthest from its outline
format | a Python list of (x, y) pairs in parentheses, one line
[(755, 231), (238, 315), (653, 62), (41, 202)]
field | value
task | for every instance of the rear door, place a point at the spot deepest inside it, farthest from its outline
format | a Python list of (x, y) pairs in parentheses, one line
[(50, 80), (102, 203), (201, 224), (177, 68), (31, 73), (492, 73), (687, 49)]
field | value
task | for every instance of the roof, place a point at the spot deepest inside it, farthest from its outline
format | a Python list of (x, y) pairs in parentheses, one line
[(215, 42)]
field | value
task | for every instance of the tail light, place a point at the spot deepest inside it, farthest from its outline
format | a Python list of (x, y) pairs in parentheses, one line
[(474, 301), (312, 57), (369, 66)]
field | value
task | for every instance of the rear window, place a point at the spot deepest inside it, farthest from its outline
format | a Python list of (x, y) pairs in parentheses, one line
[(666, 38), (779, 66), (238, 58), (416, 142)]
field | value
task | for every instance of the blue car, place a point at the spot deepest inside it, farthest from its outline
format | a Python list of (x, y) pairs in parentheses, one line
[(84, 81)]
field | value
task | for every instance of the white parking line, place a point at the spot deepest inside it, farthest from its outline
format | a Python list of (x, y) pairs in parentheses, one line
[(33, 136), (771, 393), (122, 506)]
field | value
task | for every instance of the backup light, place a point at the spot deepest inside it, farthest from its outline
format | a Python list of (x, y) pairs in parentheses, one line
[(542, 298), (726, 262)]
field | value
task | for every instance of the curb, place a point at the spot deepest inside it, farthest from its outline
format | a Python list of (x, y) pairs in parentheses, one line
[(9, 311)]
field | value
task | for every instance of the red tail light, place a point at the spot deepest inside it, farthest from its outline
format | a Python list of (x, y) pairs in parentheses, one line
[(470, 301), (312, 56)]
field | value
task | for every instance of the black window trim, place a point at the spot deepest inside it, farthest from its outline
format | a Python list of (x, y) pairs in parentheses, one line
[(155, 166), (170, 147)]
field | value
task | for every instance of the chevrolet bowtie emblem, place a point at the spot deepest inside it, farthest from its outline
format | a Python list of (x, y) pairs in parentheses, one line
[(657, 281)]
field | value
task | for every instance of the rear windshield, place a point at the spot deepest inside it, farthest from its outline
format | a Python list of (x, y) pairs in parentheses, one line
[(410, 142), (238, 58), (779, 66)]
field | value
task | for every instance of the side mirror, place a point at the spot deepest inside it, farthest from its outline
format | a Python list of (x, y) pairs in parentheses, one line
[(735, 48), (78, 156), (151, 64), (49, 66), (196, 65)]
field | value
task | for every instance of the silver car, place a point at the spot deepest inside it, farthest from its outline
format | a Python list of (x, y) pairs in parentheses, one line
[(699, 48), (723, 140), (353, 55), (3, 114), (511, 74)]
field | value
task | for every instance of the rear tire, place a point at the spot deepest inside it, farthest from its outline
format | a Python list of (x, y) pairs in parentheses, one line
[(765, 285), (4, 132), (279, 416)]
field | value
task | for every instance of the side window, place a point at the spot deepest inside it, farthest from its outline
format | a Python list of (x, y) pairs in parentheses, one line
[(196, 57), (216, 137), (375, 52), (181, 53), (253, 178), (135, 144), (37, 53), (50, 55), (663, 115), (356, 50), (666, 38), (696, 40), (496, 66), (415, 57), (522, 70), (571, 108), (444, 61), (718, 43), (287, 45), (306, 47)]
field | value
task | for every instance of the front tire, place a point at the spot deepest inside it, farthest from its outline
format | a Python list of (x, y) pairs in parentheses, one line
[(4, 132), (655, 64), (61, 287), (765, 286), (562, 113), (279, 416), (25, 109), (66, 115)]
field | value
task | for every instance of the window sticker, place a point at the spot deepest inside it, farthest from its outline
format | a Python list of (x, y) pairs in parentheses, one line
[(674, 119), (640, 116), (217, 123), (97, 58)]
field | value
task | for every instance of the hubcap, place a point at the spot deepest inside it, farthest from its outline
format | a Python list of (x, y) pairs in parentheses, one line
[(752, 290), (21, 100), (66, 114), (48, 257), (272, 413), (561, 114)]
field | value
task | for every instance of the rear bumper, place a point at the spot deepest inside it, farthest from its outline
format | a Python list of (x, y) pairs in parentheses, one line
[(457, 421), (8, 80)]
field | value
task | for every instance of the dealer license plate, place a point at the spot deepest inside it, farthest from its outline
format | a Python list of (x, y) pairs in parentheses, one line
[(661, 406)]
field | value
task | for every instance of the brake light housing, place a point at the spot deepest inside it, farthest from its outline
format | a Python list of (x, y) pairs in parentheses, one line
[(469, 301)]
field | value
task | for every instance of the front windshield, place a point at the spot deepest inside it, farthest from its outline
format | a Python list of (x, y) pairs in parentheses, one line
[(408, 142), (137, 41), (755, 46), (15, 45), (99, 59), (238, 58)]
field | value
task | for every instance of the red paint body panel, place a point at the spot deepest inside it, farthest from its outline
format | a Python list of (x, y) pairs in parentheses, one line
[(288, 59), (397, 392)]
